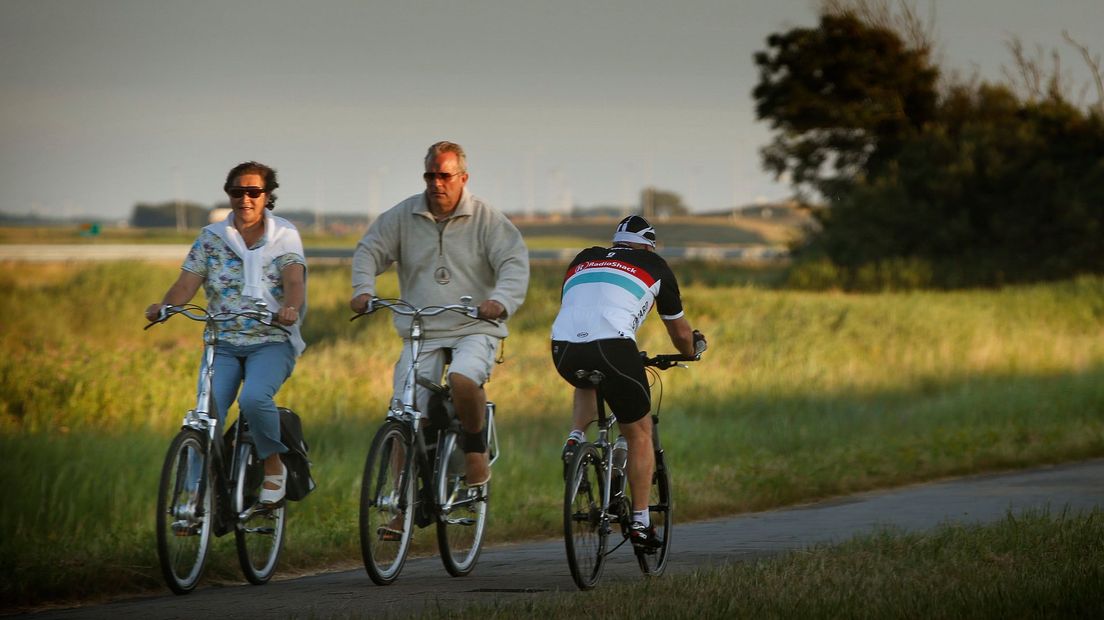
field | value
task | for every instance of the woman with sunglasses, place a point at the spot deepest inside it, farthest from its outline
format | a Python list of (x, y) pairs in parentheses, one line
[(251, 256)]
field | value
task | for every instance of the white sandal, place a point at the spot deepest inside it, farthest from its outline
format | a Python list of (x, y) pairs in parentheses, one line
[(273, 496)]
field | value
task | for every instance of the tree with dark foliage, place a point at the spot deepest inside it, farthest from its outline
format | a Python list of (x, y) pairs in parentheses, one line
[(975, 184)]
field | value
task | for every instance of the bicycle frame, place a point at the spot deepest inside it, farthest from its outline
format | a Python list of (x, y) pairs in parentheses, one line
[(405, 408), (605, 449), (204, 417)]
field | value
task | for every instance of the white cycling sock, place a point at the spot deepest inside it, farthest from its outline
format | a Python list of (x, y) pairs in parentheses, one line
[(577, 435), (641, 516)]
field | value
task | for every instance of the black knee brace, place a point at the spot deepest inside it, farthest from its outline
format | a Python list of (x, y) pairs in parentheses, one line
[(474, 442)]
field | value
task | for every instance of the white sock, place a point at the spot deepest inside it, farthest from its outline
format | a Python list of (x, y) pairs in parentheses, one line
[(577, 435), (642, 517)]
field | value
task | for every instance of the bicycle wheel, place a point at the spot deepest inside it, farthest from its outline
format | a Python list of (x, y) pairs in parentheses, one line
[(387, 503), (586, 528), (463, 511), (258, 530), (184, 511), (654, 561)]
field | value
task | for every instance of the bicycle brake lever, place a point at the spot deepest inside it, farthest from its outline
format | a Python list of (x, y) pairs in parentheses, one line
[(162, 316)]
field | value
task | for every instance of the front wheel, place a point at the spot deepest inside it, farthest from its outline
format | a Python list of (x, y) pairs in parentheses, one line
[(387, 503), (654, 561), (184, 511), (586, 526), (463, 511), (259, 529)]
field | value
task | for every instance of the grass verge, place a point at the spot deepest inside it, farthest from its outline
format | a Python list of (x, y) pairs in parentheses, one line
[(1035, 565)]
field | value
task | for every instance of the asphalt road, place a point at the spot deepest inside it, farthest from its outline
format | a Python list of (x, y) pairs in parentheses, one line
[(526, 570)]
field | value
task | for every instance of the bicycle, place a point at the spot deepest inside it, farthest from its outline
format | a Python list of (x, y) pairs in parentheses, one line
[(594, 494), (187, 511), (414, 473)]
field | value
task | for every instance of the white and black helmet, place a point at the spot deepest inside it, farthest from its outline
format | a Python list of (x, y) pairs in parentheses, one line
[(635, 229)]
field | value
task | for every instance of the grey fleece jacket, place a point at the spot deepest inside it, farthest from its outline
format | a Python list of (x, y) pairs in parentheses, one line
[(481, 249)]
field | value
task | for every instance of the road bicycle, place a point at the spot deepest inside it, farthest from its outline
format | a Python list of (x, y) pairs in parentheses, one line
[(595, 492), (415, 471), (211, 483)]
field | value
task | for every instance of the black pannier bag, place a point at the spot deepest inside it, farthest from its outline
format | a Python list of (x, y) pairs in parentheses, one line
[(299, 481)]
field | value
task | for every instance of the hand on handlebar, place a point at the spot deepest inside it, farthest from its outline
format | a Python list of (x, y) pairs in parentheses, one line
[(360, 303), (491, 310), (288, 315), (700, 344), (154, 311)]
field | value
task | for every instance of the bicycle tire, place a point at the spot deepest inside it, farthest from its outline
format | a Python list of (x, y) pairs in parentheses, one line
[(462, 515), (387, 499), (260, 536), (654, 561), (184, 511), (586, 527)]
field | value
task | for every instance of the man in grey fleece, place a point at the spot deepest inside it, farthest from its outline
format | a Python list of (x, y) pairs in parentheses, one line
[(449, 244)]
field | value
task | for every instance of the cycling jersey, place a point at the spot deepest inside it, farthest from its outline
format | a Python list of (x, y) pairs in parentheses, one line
[(607, 292)]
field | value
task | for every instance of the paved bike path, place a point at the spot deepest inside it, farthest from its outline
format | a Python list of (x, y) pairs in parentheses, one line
[(519, 571)]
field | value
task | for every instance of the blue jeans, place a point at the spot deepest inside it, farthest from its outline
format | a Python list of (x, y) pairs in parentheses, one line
[(264, 368)]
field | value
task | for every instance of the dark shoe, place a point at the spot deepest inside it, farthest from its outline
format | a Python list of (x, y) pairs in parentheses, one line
[(644, 536), (570, 446)]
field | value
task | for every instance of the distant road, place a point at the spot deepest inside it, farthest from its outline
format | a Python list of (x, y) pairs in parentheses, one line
[(92, 252)]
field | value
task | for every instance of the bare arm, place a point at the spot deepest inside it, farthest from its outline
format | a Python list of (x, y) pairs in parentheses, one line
[(295, 293), (181, 292), (682, 335)]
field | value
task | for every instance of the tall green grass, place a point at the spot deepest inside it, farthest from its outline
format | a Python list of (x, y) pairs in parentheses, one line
[(801, 395)]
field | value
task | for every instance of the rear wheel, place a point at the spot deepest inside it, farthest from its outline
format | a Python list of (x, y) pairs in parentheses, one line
[(586, 528), (259, 529), (654, 561), (463, 511), (184, 511), (387, 507)]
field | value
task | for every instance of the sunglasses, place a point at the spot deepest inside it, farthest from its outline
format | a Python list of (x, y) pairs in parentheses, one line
[(440, 176), (238, 192)]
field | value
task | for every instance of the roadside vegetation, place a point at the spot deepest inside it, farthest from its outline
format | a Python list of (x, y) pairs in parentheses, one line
[(801, 396), (927, 178), (1035, 565)]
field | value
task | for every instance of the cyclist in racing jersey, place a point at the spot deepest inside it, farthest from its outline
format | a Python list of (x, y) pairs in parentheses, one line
[(607, 293)]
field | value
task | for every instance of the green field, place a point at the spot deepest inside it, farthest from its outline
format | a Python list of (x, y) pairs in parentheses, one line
[(801, 396)]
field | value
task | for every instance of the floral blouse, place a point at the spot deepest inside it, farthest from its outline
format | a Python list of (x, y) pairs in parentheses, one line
[(223, 278)]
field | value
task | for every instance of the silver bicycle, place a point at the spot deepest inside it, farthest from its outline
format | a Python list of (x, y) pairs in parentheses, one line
[(415, 471), (211, 483)]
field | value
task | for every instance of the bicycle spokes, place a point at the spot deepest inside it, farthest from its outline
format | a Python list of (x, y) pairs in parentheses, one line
[(586, 525), (184, 510)]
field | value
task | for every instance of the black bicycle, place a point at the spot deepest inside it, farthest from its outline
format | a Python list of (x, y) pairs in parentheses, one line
[(211, 483), (415, 471), (595, 493)]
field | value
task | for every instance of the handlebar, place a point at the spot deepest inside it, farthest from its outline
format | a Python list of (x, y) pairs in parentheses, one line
[(199, 313), (405, 308), (665, 361)]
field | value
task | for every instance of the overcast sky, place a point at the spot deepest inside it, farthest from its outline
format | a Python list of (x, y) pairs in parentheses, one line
[(107, 103)]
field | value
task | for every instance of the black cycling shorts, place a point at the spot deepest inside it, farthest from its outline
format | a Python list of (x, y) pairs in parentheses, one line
[(625, 388)]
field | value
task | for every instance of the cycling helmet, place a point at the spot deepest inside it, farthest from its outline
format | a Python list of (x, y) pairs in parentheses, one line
[(635, 229)]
